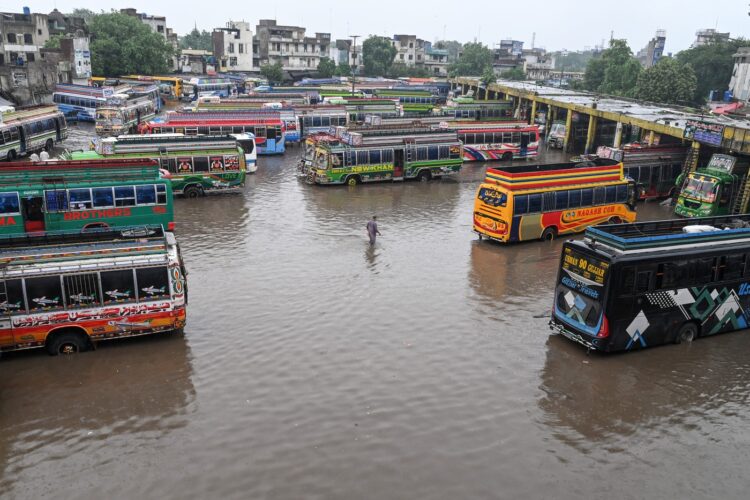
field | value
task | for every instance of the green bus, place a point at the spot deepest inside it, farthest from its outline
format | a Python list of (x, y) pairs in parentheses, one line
[(197, 164), (353, 158), (79, 195), (718, 188), (413, 102)]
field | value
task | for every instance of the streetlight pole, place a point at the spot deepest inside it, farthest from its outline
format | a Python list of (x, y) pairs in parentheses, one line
[(354, 66)]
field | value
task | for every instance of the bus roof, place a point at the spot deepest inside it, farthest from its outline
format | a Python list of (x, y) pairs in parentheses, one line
[(66, 249), (655, 235), (159, 143), (521, 177), (474, 126), (55, 172), (27, 113)]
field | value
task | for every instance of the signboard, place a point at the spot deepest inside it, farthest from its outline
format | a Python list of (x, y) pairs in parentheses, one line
[(610, 153), (19, 79), (591, 269), (725, 163), (705, 133)]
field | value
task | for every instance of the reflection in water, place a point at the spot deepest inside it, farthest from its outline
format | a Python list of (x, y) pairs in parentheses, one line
[(126, 391)]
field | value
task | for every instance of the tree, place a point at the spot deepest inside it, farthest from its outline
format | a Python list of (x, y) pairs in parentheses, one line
[(274, 73), (473, 61), (452, 46), (514, 74), (488, 76), (377, 54), (667, 82), (326, 67), (123, 45), (343, 69), (713, 65), (53, 42), (400, 70), (86, 14), (198, 40), (615, 71)]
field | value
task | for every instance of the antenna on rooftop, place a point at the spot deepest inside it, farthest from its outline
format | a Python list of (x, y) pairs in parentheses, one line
[(533, 39)]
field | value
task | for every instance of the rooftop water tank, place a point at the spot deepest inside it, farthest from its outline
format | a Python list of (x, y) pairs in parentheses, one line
[(26, 11)]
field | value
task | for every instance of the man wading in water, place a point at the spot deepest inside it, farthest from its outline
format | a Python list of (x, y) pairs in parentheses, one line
[(372, 229)]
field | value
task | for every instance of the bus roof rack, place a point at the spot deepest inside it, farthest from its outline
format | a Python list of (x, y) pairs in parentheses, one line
[(518, 177), (671, 232), (10, 244)]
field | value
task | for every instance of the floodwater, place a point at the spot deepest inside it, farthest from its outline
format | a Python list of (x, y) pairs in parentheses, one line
[(315, 366)]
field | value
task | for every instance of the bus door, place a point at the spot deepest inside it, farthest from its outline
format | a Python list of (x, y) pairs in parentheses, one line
[(398, 164), (22, 137), (33, 216), (6, 326)]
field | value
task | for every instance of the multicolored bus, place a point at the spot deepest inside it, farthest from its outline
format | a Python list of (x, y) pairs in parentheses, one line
[(352, 158), (197, 165), (488, 141), (123, 115), (718, 188), (81, 195), (64, 291), (359, 107), (31, 129), (79, 102), (221, 87), (413, 101), (268, 129), (467, 108), (631, 286), (530, 202), (287, 115), (170, 87)]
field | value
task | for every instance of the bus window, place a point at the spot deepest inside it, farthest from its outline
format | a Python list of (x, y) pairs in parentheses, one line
[(731, 267), (153, 283), (493, 198), (118, 286), (622, 193), (520, 204), (535, 203), (125, 196), (236, 129), (704, 270), (103, 198), (9, 203), (673, 274), (598, 195), (82, 290), (145, 195), (388, 156), (161, 194), (574, 200), (587, 197), (444, 152), (362, 158), (610, 194), (432, 153), (421, 153), (627, 280), (15, 301), (200, 164), (80, 199), (561, 200), (374, 157), (643, 281), (44, 294)]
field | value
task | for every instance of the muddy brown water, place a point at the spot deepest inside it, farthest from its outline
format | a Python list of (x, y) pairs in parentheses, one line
[(314, 366)]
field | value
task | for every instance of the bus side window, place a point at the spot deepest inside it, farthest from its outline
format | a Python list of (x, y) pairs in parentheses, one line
[(44, 294), (643, 281), (535, 203), (561, 200), (731, 267), (627, 280), (118, 286), (9, 203), (673, 274), (587, 196), (82, 290), (574, 198), (599, 195), (15, 302), (704, 271), (520, 204), (362, 158), (610, 194), (153, 283), (622, 193)]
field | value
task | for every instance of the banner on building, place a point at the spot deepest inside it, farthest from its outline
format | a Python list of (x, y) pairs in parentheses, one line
[(705, 133)]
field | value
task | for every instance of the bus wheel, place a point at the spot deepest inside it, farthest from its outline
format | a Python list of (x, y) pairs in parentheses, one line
[(67, 343), (192, 192), (12, 155), (549, 234), (49, 145), (424, 175), (687, 333), (507, 156), (353, 180)]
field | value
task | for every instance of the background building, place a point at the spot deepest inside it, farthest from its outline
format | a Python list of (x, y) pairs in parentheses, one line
[(703, 37), (653, 51), (158, 24), (410, 50), (233, 47), (435, 60), (343, 52), (739, 85), (289, 46)]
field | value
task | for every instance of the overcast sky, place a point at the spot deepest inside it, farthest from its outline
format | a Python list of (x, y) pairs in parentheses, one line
[(559, 24)]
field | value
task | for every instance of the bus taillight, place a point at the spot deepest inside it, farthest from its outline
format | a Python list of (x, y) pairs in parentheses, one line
[(604, 329), (170, 226)]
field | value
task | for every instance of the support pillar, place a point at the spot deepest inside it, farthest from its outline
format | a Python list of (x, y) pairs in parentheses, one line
[(568, 129), (618, 135), (651, 138), (590, 134), (532, 118)]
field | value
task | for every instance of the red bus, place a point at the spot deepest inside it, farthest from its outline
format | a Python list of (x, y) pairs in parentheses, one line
[(488, 141), (269, 130)]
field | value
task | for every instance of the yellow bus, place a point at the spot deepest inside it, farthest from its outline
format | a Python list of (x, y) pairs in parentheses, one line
[(170, 87), (529, 202)]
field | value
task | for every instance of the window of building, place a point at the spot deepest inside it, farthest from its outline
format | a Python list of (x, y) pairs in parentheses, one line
[(160, 28), (28, 39), (241, 48), (411, 57), (30, 57), (233, 61), (11, 38), (230, 48)]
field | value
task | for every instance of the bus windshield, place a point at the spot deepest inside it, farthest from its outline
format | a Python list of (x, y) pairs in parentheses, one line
[(580, 291), (704, 189)]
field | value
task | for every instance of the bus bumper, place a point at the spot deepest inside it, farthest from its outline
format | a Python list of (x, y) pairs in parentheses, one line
[(558, 328)]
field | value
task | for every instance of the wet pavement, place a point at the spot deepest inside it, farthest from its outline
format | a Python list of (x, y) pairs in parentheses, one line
[(316, 366)]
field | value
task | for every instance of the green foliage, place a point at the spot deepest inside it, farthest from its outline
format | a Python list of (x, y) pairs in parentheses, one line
[(452, 46), (274, 73), (473, 61), (53, 42), (86, 14), (614, 72), (514, 74), (667, 82), (197, 40), (713, 65), (122, 45), (573, 61), (343, 69), (401, 70), (326, 67), (488, 76), (377, 55)]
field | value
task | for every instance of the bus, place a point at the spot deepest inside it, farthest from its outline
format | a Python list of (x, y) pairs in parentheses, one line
[(170, 87), (197, 165), (317, 121), (63, 291), (529, 202), (352, 158), (630, 286), (268, 129), (718, 188), (81, 195), (288, 115), (79, 102), (32, 129), (123, 115), (654, 169), (221, 87), (413, 101), (359, 107), (468, 108), (488, 141)]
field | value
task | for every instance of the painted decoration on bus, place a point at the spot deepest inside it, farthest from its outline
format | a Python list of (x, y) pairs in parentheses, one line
[(231, 163), (589, 268), (492, 197), (88, 314), (184, 164), (217, 163)]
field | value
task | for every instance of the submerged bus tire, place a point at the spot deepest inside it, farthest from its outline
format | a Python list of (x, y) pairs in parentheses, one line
[(353, 180), (192, 192), (49, 145), (12, 155), (549, 234), (424, 175), (67, 342), (687, 333)]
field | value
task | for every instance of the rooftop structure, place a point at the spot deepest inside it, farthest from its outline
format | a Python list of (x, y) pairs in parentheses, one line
[(289, 46), (703, 37)]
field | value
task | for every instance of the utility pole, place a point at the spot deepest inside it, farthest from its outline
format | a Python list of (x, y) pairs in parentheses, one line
[(354, 66)]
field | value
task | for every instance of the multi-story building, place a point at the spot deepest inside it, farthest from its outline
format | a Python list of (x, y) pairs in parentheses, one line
[(704, 37), (653, 51), (288, 46), (195, 61), (233, 47), (740, 81), (158, 24), (410, 50), (435, 60), (343, 52)]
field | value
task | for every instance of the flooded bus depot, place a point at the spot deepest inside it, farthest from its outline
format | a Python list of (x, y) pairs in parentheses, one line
[(314, 365)]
